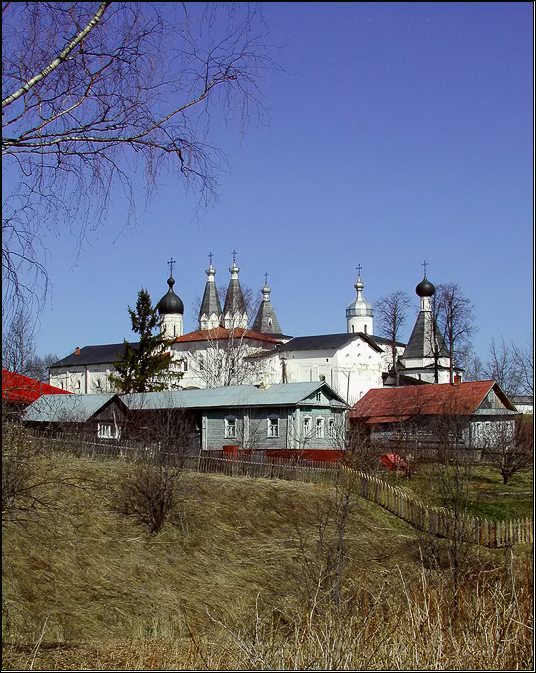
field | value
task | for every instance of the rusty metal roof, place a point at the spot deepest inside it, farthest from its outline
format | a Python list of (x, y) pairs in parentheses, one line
[(389, 405)]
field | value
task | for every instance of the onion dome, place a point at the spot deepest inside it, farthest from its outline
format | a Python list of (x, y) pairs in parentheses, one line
[(425, 288), (170, 302), (359, 307)]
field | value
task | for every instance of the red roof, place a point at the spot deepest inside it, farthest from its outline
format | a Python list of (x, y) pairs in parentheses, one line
[(219, 333), (25, 390), (389, 405)]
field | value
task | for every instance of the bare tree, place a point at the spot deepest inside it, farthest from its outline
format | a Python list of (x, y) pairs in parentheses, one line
[(90, 88), (223, 360), (523, 357), (455, 320), (501, 366), (18, 343), (509, 447), (391, 314)]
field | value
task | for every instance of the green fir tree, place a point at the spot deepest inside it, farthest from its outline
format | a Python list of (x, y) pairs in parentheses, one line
[(145, 368)]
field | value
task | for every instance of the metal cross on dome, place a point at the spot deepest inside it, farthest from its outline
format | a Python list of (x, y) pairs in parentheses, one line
[(210, 256), (234, 254), (170, 264), (359, 267), (424, 265), (266, 277)]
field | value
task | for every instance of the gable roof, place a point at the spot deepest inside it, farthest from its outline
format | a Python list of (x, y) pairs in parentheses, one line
[(93, 355), (388, 405), (327, 342), (281, 394), (21, 389), (219, 333), (67, 409)]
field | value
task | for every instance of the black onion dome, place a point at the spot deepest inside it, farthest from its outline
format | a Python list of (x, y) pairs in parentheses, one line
[(170, 302), (425, 288)]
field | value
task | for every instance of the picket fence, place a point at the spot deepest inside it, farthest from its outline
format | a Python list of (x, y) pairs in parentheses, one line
[(436, 521)]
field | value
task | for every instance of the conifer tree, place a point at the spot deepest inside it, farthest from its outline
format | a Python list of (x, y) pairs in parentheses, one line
[(147, 367)]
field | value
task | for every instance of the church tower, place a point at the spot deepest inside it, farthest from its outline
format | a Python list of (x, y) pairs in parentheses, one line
[(171, 309), (425, 346), (234, 310), (360, 314), (266, 320), (210, 313)]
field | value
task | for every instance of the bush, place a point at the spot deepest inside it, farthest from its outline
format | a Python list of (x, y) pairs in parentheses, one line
[(148, 494)]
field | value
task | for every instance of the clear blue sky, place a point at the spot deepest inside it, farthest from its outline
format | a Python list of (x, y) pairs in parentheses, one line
[(399, 132)]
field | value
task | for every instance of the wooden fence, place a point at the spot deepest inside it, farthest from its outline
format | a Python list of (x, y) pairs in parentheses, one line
[(436, 521)]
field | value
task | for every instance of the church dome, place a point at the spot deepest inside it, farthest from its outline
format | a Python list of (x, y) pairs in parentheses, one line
[(359, 307), (170, 302), (425, 288)]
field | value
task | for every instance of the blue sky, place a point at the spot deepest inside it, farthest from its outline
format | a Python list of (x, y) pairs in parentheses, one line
[(399, 132)]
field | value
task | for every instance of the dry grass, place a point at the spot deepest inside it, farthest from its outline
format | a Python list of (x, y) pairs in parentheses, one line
[(222, 586)]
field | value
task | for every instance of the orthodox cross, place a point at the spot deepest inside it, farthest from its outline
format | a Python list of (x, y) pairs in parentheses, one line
[(234, 254), (266, 277), (424, 264), (171, 263), (210, 256), (359, 267)]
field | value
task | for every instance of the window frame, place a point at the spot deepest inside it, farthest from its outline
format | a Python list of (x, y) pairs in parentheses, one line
[(230, 427), (270, 427), (320, 427)]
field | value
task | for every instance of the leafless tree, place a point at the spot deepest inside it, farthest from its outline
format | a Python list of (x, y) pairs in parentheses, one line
[(501, 366), (91, 90), (509, 447), (18, 343), (391, 314), (223, 361), (523, 357), (455, 320)]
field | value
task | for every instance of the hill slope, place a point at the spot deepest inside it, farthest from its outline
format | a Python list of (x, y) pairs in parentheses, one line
[(244, 574)]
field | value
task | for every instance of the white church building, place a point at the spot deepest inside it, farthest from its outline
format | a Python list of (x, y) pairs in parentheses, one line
[(231, 348)]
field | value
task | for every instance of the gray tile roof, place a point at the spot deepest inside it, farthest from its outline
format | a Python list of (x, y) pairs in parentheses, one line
[(92, 355), (282, 394), (418, 345), (211, 301), (65, 408), (234, 299), (266, 320), (326, 342)]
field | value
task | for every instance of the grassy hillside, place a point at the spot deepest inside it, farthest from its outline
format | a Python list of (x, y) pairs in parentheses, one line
[(247, 573)]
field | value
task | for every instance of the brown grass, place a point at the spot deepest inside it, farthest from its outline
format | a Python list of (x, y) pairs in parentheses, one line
[(222, 585)]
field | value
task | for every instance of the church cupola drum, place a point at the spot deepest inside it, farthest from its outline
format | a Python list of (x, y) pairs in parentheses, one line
[(210, 313), (171, 309), (360, 314), (234, 310), (266, 320)]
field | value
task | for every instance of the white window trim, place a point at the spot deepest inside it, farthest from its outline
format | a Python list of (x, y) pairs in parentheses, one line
[(107, 430), (306, 420), (270, 428), (230, 427), (319, 427)]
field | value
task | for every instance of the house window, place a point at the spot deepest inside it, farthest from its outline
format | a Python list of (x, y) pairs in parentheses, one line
[(306, 426), (108, 431), (318, 395), (230, 428), (319, 428), (273, 427), (331, 427), (201, 362)]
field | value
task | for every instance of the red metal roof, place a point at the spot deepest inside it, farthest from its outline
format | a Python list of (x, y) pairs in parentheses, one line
[(389, 405), (25, 390), (219, 333)]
